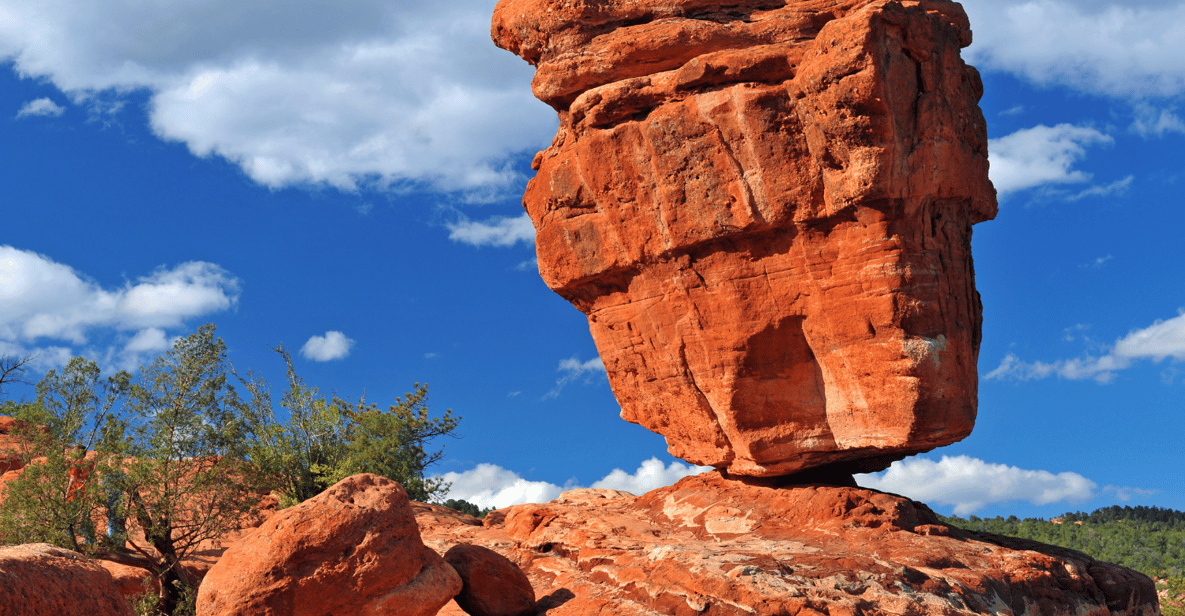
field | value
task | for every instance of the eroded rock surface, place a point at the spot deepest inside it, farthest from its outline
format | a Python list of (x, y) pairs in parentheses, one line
[(353, 549), (765, 208), (38, 579), (711, 545)]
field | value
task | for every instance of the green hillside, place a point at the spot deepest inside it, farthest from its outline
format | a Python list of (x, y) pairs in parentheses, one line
[(1150, 540)]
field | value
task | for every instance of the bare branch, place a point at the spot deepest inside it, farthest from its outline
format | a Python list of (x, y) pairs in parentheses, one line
[(12, 370)]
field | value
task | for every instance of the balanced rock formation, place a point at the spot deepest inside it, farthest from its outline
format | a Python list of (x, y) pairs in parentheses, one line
[(39, 579), (765, 207), (710, 545), (353, 549)]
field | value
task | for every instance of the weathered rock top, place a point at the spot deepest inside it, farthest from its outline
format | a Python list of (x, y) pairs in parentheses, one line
[(578, 46), (765, 210)]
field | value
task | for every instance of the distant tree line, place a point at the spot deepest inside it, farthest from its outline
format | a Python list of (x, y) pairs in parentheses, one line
[(143, 469)]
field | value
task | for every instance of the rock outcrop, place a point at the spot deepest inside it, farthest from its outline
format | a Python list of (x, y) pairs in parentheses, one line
[(711, 545), (38, 579), (765, 207), (353, 549)]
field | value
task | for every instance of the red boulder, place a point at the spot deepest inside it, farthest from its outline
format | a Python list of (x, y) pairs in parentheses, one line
[(354, 549)]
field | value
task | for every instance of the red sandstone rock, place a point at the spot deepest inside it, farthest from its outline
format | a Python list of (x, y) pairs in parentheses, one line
[(39, 579), (130, 581), (353, 549), (491, 584), (710, 545), (765, 210)]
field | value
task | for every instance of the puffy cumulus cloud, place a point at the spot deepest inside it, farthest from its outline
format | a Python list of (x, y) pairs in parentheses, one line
[(1042, 155), (40, 107), (489, 485), (573, 369), (969, 484), (1132, 50), (651, 475), (148, 340), (497, 231), (337, 92), (46, 299), (333, 345), (140, 349), (1158, 341)]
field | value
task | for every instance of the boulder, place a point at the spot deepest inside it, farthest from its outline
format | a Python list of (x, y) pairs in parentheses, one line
[(38, 579), (737, 547), (765, 208), (353, 549), (491, 584)]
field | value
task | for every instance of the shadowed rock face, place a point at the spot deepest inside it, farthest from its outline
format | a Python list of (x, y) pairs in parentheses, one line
[(765, 210)]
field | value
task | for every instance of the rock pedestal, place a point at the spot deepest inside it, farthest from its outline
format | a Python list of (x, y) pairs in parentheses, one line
[(710, 545), (765, 210)]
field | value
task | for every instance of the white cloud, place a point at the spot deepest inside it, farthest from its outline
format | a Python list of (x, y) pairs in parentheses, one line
[(1129, 50), (497, 231), (489, 485), (333, 345), (970, 483), (46, 299), (575, 369), (530, 265), (340, 92), (1150, 121), (1101, 369), (1041, 155), (651, 475), (40, 107), (1118, 187), (1157, 341), (152, 339)]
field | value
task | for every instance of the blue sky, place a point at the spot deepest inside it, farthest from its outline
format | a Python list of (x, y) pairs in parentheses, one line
[(344, 178)]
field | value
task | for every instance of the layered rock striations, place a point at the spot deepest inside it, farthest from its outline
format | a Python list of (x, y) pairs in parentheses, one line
[(765, 207), (710, 545)]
